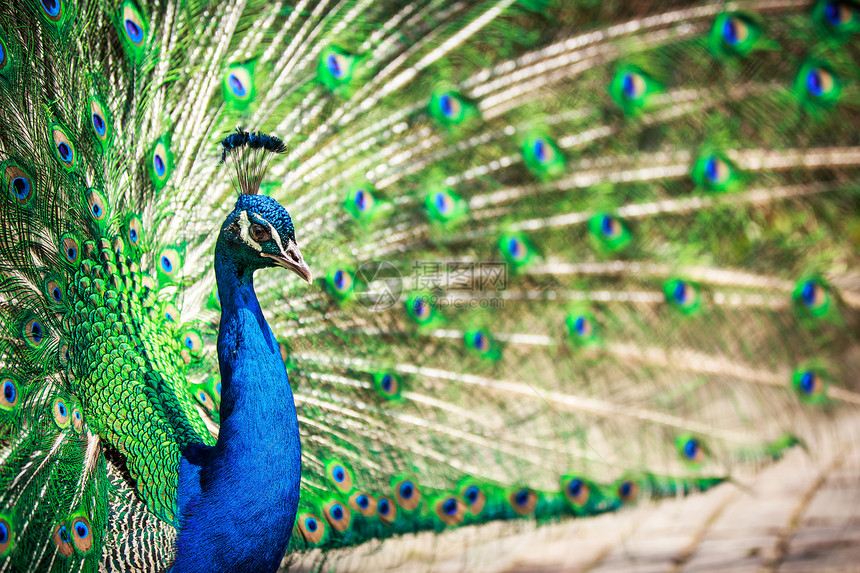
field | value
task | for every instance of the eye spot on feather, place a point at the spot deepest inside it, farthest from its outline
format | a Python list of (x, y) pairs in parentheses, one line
[(54, 291), (238, 83), (6, 538), (523, 501), (134, 231), (735, 31), (9, 396), (34, 333), (97, 204), (64, 149), (407, 494), (82, 534), (450, 510), (204, 398), (628, 491), (169, 263), (819, 82), (77, 420), (337, 65), (838, 14), (53, 9), (475, 499), (63, 540), (363, 504), (311, 528), (70, 248), (691, 449), (340, 475), (61, 413), (682, 295), (337, 515), (99, 120), (577, 492), (632, 85), (133, 26), (20, 184), (386, 510), (810, 385), (812, 295), (362, 199), (65, 355), (387, 384), (193, 341)]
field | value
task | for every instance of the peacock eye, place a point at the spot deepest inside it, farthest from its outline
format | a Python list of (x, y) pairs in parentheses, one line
[(259, 233)]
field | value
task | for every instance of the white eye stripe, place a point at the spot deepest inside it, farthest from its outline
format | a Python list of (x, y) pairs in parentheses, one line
[(244, 232)]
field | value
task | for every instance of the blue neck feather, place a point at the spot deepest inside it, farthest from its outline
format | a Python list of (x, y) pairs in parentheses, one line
[(238, 499)]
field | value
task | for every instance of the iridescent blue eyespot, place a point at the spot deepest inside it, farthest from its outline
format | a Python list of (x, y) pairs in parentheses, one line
[(339, 474), (338, 279), (384, 507), (680, 293), (132, 235), (188, 342), (386, 383), (449, 506), (471, 494), (735, 31), (814, 83), (360, 199), (158, 163), (539, 148), (575, 487), (808, 382), (236, 86), (632, 85), (65, 151), (362, 501), (21, 187), (333, 64), (336, 512), (57, 294), (311, 524), (61, 408), (10, 392), (521, 498), (691, 448), (479, 341), (99, 124), (166, 265), (443, 202), (419, 307), (81, 529), (446, 105), (406, 490), (35, 331), (51, 7), (135, 33)]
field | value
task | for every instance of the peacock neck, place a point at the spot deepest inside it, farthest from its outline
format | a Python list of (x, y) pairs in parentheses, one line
[(250, 478)]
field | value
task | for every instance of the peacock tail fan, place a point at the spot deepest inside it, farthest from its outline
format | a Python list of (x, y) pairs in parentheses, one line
[(570, 255)]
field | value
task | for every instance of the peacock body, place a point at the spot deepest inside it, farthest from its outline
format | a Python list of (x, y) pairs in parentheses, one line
[(568, 255)]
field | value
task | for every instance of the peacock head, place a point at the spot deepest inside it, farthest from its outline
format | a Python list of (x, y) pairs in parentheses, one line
[(259, 234)]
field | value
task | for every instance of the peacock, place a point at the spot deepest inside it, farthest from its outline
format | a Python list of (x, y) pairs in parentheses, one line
[(286, 278)]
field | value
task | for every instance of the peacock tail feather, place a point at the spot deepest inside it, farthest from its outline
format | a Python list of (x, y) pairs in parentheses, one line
[(569, 255)]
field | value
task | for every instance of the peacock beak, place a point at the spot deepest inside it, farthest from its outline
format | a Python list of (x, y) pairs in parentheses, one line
[(291, 258)]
